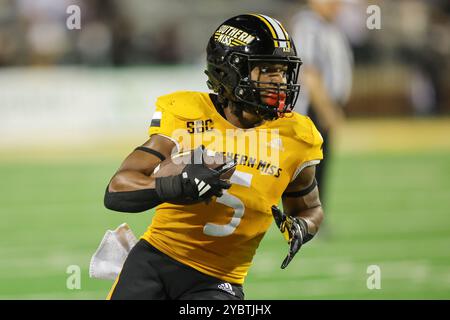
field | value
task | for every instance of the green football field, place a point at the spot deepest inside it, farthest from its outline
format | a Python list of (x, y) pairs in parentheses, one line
[(385, 208)]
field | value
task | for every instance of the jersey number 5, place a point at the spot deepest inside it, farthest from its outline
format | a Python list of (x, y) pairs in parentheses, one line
[(219, 230)]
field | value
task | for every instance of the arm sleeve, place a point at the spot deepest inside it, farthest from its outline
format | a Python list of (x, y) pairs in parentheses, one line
[(131, 201)]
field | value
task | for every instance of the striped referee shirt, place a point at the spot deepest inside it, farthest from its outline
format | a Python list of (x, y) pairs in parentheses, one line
[(322, 45)]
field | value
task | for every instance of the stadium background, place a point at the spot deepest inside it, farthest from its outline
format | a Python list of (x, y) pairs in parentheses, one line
[(73, 103)]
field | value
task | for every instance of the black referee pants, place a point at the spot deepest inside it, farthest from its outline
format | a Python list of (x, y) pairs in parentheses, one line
[(321, 168)]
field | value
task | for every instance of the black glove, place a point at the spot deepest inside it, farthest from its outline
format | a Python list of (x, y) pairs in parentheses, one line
[(295, 231), (196, 183)]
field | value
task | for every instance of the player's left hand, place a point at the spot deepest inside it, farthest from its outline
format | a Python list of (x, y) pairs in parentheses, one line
[(295, 231)]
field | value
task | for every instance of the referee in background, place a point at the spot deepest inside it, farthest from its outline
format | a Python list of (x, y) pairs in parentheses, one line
[(326, 73)]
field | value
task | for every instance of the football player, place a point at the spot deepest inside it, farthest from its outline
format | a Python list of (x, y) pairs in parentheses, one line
[(203, 250)]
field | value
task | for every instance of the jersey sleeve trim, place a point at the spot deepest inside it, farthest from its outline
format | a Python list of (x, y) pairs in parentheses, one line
[(156, 119), (303, 166)]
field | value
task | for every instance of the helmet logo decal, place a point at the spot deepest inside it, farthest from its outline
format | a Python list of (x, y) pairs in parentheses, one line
[(232, 36)]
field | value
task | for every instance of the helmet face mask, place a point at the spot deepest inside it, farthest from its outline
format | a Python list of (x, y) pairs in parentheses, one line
[(270, 99), (230, 69)]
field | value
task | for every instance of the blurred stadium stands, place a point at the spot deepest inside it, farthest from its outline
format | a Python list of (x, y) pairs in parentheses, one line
[(402, 69)]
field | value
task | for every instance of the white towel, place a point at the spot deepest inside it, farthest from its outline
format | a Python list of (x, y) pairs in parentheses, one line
[(108, 260)]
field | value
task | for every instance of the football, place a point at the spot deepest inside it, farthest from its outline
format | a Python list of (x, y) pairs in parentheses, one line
[(213, 160)]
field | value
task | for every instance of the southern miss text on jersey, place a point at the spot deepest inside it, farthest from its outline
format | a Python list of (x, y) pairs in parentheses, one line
[(220, 238)]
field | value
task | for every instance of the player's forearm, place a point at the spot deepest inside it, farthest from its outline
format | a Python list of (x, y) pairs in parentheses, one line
[(130, 181), (313, 217), (306, 206), (131, 201), (131, 191)]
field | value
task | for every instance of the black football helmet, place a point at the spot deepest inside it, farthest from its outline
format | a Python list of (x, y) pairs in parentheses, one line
[(236, 47)]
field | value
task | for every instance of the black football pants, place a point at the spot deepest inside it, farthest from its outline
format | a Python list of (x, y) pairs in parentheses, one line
[(149, 274)]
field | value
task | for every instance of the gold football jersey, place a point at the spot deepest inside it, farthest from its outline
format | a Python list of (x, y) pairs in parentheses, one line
[(220, 238)]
